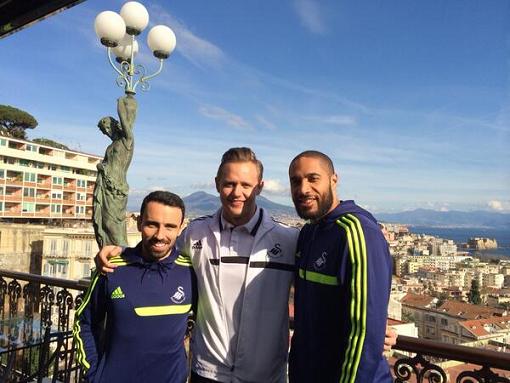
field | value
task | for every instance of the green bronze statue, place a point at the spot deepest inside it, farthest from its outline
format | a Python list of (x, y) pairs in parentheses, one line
[(111, 190)]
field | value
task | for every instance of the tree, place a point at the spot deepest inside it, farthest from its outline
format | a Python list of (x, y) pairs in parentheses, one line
[(14, 122), (442, 298), (48, 142), (474, 293)]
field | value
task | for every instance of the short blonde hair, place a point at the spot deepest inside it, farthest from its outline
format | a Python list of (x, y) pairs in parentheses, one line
[(241, 154)]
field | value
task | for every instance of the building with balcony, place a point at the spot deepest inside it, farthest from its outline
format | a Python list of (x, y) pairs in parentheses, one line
[(40, 183), (444, 323), (68, 253)]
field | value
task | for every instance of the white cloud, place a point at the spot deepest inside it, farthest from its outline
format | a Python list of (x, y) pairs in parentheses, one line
[(499, 205), (310, 15), (203, 186), (265, 123), (231, 119), (274, 187), (343, 120), (196, 49)]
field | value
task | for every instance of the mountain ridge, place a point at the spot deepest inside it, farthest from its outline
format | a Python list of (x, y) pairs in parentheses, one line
[(201, 203)]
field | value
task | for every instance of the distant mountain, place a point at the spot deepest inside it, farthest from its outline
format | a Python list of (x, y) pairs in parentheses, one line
[(202, 203), (427, 217)]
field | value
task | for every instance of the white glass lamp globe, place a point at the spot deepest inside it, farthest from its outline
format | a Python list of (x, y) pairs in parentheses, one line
[(110, 28), (123, 50), (161, 41), (135, 16)]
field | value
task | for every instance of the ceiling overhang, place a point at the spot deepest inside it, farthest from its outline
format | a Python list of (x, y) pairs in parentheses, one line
[(18, 14)]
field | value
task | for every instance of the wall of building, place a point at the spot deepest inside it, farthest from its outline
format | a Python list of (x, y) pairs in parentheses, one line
[(21, 247)]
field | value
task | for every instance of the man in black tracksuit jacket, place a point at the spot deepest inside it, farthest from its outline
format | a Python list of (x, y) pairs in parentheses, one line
[(145, 302), (342, 284)]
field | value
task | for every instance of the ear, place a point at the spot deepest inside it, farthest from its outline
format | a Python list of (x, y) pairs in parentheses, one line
[(259, 188), (217, 182), (334, 180), (139, 223)]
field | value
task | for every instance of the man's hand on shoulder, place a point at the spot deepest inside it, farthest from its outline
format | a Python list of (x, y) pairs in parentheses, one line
[(102, 258), (390, 338)]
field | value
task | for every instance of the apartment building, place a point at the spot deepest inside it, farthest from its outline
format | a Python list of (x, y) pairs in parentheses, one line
[(68, 253), (40, 183), (444, 323)]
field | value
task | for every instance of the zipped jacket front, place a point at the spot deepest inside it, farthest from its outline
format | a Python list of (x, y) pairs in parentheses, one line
[(262, 339), (343, 280), (145, 306)]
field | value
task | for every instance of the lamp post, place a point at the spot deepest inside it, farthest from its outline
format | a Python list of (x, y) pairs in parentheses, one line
[(118, 34)]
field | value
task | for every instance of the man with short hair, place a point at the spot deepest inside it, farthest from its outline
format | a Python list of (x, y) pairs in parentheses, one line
[(145, 302), (244, 261), (342, 284)]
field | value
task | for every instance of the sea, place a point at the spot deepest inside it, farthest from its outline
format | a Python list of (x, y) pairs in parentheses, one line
[(462, 235)]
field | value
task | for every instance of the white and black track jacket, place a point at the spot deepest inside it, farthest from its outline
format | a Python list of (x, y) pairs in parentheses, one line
[(263, 334)]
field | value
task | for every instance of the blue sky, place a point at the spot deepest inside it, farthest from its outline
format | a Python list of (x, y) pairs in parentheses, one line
[(410, 98)]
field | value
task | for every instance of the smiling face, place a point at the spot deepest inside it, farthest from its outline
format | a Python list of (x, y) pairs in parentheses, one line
[(238, 184), (313, 187), (160, 225)]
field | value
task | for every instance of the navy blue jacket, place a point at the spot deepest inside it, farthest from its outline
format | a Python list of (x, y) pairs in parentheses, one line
[(146, 306), (342, 287)]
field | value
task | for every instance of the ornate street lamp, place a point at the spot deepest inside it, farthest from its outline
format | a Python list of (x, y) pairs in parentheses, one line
[(118, 33)]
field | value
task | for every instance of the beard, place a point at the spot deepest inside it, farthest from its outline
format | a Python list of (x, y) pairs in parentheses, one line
[(324, 204), (153, 255)]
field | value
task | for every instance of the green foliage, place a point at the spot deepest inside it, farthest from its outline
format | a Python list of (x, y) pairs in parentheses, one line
[(14, 122), (407, 317), (442, 298), (474, 293), (48, 142)]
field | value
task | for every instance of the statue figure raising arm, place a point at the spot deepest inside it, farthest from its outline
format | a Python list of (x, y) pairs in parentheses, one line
[(111, 190)]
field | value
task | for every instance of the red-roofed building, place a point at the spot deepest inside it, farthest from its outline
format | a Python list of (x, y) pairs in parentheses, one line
[(444, 323)]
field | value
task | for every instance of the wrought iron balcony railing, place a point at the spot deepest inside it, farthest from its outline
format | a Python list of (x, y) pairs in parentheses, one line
[(429, 360), (36, 317)]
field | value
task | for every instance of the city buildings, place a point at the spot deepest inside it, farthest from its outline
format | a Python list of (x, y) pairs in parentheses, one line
[(40, 183)]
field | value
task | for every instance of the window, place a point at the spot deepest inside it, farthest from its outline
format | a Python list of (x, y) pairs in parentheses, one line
[(53, 247), (80, 196), (62, 268), (1, 206), (1, 190), (65, 247), (9, 160), (56, 195), (56, 208), (28, 207), (29, 192), (3, 142), (86, 270), (2, 173), (444, 322), (29, 177), (65, 169), (57, 180), (81, 183), (31, 148), (80, 209), (88, 248), (24, 162)]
